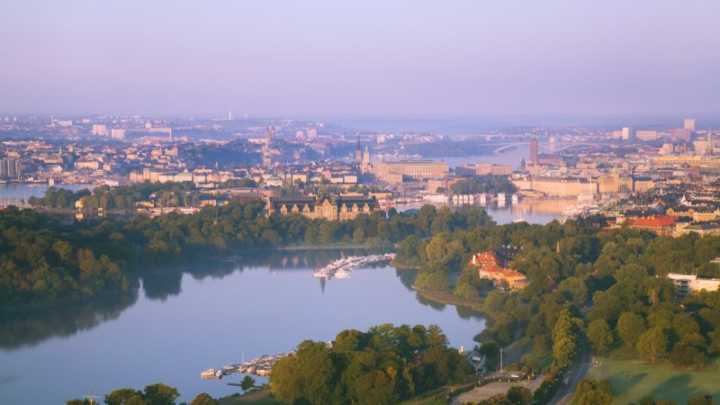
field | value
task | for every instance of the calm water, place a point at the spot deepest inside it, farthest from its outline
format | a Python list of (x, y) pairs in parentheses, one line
[(183, 322), (25, 191)]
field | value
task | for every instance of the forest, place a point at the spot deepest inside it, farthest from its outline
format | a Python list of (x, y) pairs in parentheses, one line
[(590, 290)]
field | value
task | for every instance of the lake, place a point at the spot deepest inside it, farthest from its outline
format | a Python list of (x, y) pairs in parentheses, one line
[(185, 320)]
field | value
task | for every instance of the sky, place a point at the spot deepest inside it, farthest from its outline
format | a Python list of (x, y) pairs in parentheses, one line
[(360, 58)]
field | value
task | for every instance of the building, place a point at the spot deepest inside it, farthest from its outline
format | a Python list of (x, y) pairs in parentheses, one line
[(484, 169), (626, 133), (10, 169), (329, 208), (557, 186), (99, 130), (690, 283), (681, 134), (689, 124), (117, 133), (396, 172), (490, 269), (534, 155), (662, 225), (646, 135)]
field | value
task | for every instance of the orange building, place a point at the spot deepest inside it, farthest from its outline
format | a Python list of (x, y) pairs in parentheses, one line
[(662, 225), (489, 268)]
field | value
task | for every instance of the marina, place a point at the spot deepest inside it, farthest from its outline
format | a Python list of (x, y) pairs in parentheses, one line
[(341, 268), (260, 366)]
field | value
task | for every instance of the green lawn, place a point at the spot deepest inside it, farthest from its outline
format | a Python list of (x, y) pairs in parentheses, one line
[(260, 397), (633, 380)]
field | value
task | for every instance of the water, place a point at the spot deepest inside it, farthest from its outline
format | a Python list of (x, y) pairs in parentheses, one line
[(23, 191), (185, 322)]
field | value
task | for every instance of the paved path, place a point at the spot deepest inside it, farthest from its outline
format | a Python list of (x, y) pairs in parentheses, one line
[(575, 375)]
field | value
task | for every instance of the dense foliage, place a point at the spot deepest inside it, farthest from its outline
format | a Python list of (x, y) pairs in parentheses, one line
[(589, 289), (121, 198), (381, 366), (42, 258)]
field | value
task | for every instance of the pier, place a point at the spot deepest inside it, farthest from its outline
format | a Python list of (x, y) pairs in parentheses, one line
[(341, 268)]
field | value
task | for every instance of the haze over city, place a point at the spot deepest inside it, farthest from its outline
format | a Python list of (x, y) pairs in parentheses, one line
[(354, 59), (411, 202)]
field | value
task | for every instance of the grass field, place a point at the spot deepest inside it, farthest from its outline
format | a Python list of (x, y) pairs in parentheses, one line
[(633, 380), (260, 397)]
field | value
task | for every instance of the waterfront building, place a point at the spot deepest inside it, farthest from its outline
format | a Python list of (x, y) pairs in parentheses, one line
[(490, 269), (689, 124), (557, 186), (395, 172), (10, 169), (339, 208)]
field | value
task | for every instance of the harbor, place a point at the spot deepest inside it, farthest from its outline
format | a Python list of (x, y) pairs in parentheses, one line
[(341, 268), (260, 366)]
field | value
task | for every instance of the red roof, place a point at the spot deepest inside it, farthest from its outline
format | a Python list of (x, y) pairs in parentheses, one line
[(658, 221)]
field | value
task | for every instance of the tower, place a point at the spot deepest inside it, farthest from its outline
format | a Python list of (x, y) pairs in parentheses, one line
[(266, 151), (358, 153), (689, 124), (365, 164)]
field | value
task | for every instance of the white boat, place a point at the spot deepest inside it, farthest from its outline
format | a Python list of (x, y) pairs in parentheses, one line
[(342, 274)]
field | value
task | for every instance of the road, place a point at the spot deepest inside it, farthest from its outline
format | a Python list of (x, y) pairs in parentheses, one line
[(574, 376)]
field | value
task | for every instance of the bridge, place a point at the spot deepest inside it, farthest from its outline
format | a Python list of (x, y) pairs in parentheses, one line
[(543, 146)]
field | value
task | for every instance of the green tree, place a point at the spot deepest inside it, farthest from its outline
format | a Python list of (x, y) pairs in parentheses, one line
[(247, 383), (592, 392), (600, 336), (519, 395), (122, 396), (653, 344), (160, 394), (630, 326), (204, 399)]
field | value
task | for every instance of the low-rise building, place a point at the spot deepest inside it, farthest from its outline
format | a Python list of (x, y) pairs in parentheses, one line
[(489, 268), (329, 208), (690, 283)]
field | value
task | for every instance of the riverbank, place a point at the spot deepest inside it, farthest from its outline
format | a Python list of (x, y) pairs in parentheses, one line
[(448, 298)]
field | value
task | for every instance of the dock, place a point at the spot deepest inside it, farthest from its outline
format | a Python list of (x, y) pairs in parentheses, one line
[(260, 366), (341, 268)]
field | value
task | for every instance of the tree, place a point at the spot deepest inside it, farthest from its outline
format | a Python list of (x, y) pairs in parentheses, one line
[(653, 344), (600, 336), (630, 326), (519, 395), (204, 399), (247, 383), (122, 396), (161, 394), (592, 392)]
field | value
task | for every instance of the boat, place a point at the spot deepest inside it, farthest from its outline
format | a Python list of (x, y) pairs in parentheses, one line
[(342, 274)]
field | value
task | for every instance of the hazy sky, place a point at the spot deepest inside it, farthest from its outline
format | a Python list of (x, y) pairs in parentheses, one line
[(384, 57)]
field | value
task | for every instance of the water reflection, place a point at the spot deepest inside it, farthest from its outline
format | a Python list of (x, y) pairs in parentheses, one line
[(29, 328), (64, 318)]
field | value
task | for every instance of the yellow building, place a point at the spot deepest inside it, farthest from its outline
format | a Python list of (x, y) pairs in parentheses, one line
[(557, 186), (329, 208), (395, 172)]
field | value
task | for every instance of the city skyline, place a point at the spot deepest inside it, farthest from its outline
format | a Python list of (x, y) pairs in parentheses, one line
[(372, 59)]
